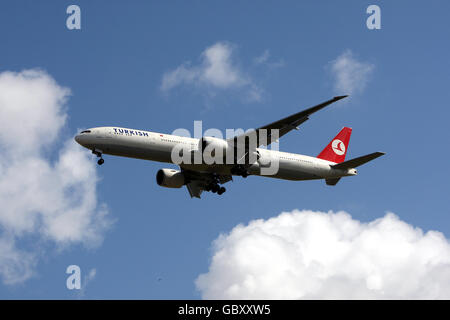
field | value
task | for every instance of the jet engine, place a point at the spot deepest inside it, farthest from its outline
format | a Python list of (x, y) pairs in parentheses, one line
[(170, 178), (263, 159)]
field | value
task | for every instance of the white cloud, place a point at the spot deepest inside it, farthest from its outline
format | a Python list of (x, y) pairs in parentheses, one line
[(264, 59), (350, 75), (318, 255), (31, 111), (52, 200), (16, 265), (216, 71), (87, 279)]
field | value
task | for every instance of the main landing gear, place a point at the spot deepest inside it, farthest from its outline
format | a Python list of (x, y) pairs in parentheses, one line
[(239, 170), (98, 153), (214, 187), (218, 189)]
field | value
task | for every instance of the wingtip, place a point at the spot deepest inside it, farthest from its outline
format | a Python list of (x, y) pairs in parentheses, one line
[(379, 153), (340, 97)]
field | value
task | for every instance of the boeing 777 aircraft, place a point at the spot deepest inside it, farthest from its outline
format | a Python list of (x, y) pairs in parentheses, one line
[(329, 165)]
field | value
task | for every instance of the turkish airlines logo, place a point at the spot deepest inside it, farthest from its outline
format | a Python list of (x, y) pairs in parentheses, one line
[(338, 147)]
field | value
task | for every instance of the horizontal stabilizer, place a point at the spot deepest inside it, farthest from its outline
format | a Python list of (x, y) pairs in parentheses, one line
[(356, 162)]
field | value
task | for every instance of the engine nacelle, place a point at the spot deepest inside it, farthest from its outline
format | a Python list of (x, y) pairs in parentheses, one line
[(264, 159), (211, 146), (170, 178)]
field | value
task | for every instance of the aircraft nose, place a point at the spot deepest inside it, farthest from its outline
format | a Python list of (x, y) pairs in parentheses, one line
[(79, 139)]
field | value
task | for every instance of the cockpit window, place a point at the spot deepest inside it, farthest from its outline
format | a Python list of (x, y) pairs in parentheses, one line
[(86, 131)]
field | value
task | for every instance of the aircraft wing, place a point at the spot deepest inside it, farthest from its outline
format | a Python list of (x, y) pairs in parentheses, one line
[(284, 125), (198, 181)]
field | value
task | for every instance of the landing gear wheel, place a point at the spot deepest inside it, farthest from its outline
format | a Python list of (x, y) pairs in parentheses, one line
[(221, 190), (215, 188), (98, 153), (239, 170)]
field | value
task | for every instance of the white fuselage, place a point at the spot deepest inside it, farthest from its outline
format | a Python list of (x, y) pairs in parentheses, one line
[(158, 147)]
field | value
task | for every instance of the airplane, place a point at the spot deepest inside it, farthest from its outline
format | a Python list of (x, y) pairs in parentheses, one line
[(329, 165)]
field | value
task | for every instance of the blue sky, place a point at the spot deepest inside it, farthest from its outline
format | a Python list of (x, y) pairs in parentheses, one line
[(114, 68)]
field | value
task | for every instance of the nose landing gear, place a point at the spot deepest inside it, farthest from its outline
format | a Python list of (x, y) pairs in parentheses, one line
[(98, 153)]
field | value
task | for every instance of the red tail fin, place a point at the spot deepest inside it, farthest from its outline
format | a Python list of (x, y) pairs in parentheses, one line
[(336, 150)]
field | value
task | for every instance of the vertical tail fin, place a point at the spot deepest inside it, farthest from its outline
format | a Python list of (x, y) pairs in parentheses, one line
[(336, 150)]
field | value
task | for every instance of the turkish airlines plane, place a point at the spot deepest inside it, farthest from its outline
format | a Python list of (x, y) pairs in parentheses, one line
[(247, 158)]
